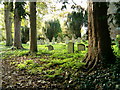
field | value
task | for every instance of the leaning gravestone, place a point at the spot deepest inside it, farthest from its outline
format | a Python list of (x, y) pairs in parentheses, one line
[(80, 47), (50, 47), (70, 47)]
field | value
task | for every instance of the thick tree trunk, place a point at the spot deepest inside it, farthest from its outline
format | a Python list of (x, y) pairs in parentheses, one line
[(17, 32), (33, 31), (99, 49), (8, 24)]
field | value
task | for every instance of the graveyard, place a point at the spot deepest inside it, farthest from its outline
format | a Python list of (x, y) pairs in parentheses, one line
[(59, 45), (51, 68)]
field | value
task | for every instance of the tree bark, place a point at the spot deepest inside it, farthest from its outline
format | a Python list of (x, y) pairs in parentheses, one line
[(17, 33), (33, 31), (8, 24), (99, 48)]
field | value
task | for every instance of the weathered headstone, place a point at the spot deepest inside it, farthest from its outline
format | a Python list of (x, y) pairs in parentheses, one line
[(78, 40), (66, 39), (53, 40), (42, 42), (70, 47), (47, 41), (39, 42), (80, 47), (50, 47), (58, 39), (73, 39)]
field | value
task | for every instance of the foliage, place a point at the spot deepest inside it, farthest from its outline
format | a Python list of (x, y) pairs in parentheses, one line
[(64, 72), (52, 29), (53, 63), (20, 6), (75, 21), (2, 25), (9, 4), (117, 15), (24, 34)]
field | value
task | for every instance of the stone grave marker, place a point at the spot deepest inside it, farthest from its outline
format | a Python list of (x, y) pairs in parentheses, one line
[(53, 40), (42, 42), (47, 41), (39, 42), (50, 47), (66, 39), (58, 39), (78, 40), (73, 39), (80, 47), (70, 47)]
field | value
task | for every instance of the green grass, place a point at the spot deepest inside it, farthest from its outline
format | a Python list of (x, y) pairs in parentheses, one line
[(57, 62), (50, 64)]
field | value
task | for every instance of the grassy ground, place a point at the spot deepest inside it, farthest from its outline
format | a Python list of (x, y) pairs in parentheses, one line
[(54, 69)]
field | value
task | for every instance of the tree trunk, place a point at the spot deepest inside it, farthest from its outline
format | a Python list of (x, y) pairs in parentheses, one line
[(99, 49), (8, 24), (33, 31), (17, 32)]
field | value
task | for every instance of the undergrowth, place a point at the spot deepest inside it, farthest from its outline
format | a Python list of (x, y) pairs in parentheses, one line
[(58, 65)]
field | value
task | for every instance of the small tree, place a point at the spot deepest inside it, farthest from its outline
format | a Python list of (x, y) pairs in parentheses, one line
[(52, 29), (75, 22)]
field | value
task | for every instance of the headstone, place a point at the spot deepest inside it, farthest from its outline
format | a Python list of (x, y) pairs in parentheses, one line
[(38, 42), (73, 39), (78, 40), (42, 42), (70, 47), (58, 39), (50, 47), (80, 47), (66, 39), (47, 41), (53, 40)]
